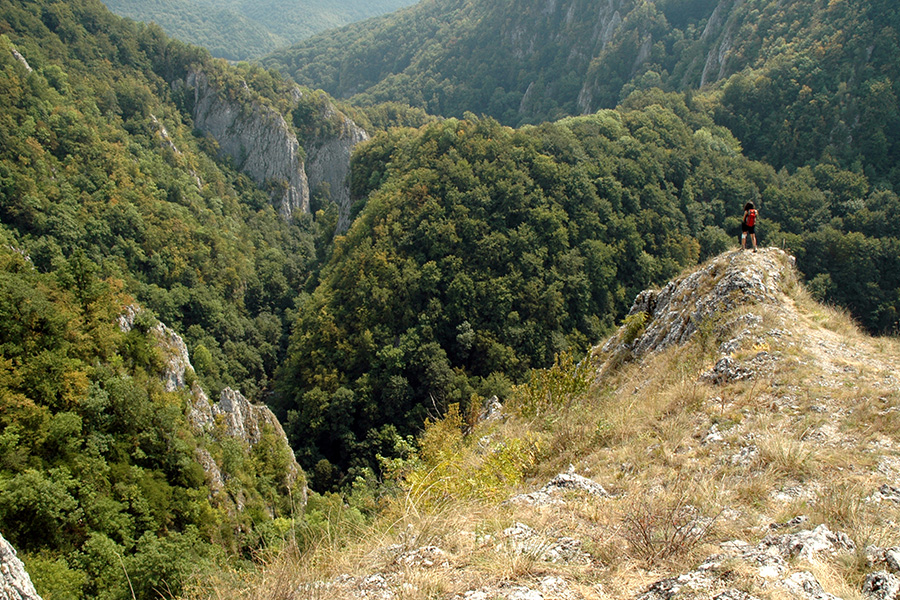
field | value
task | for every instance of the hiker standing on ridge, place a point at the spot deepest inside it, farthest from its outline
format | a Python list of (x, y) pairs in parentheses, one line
[(748, 225)]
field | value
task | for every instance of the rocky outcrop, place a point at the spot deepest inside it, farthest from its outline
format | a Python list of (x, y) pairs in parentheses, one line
[(172, 345), (562, 484), (766, 564), (233, 415), (18, 56), (265, 147), (15, 583), (328, 164), (257, 138), (673, 314)]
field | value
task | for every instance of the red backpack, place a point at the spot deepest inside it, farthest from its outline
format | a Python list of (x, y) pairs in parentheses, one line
[(751, 217)]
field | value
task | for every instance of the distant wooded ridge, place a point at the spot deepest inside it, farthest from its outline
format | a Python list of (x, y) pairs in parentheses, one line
[(797, 83), (245, 29)]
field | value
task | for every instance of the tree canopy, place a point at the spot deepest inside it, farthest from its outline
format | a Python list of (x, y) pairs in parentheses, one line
[(483, 252)]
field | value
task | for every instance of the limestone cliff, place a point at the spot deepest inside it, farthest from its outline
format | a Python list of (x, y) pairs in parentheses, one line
[(257, 138), (15, 584), (265, 146), (719, 32), (328, 163)]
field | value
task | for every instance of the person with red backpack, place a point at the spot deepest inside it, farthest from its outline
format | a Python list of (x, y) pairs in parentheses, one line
[(748, 225)]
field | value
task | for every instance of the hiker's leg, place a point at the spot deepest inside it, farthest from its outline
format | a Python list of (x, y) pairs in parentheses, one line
[(753, 239), (744, 240)]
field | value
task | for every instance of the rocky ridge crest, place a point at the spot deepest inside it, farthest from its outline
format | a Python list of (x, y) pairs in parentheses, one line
[(674, 314)]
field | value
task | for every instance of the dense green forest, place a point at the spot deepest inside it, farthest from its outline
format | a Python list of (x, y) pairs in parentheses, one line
[(245, 29), (483, 252), (107, 197), (101, 491), (101, 158), (801, 82)]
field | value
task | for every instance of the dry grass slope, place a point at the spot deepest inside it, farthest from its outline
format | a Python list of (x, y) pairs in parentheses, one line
[(745, 438)]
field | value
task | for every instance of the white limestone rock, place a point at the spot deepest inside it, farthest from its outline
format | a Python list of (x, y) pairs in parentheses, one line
[(15, 583)]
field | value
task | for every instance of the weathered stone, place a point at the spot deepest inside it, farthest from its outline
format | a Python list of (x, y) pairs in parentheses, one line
[(892, 558), (886, 557), (18, 56), (881, 585), (257, 138), (726, 370), (562, 483), (15, 583), (807, 544), (734, 594), (805, 585), (795, 522), (886, 492), (492, 409), (175, 352), (695, 582), (328, 164), (768, 560), (232, 415), (675, 312), (264, 146), (426, 556), (213, 474), (549, 588)]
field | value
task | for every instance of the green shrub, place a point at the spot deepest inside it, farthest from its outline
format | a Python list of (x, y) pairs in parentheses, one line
[(548, 389)]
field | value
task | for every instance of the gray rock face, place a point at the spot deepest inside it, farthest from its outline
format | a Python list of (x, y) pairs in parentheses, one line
[(264, 146), (18, 56), (560, 485), (767, 561), (881, 586), (15, 583), (609, 21), (885, 557), (726, 370), (719, 27), (522, 539), (172, 345), (240, 420), (259, 141), (328, 165)]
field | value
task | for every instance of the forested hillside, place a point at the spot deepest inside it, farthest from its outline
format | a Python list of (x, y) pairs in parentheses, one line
[(802, 81), (245, 29), (483, 252), (99, 156), (109, 198)]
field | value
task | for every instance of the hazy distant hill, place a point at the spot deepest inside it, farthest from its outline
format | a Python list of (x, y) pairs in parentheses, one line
[(243, 29)]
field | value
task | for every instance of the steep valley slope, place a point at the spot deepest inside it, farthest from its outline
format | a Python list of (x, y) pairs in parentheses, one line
[(733, 439)]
